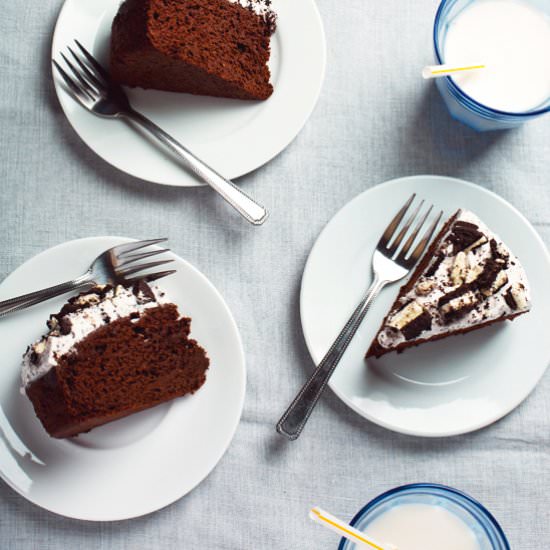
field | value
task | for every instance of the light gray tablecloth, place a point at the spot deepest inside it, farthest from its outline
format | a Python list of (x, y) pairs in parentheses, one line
[(376, 120)]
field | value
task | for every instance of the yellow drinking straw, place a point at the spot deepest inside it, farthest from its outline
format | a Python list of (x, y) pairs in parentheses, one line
[(345, 530), (435, 71)]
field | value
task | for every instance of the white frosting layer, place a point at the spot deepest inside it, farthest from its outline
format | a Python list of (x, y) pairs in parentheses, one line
[(260, 7), (441, 282), (117, 303)]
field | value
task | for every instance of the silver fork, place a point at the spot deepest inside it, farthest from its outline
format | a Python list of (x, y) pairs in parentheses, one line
[(115, 265), (94, 89), (390, 263)]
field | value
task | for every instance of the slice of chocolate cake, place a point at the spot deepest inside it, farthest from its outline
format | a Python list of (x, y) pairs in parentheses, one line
[(468, 279), (111, 352), (205, 47)]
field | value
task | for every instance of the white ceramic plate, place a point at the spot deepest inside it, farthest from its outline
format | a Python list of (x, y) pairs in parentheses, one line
[(443, 388), (138, 464), (234, 137)]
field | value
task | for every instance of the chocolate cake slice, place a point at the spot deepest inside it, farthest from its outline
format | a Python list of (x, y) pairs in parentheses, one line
[(205, 47), (111, 352), (468, 279)]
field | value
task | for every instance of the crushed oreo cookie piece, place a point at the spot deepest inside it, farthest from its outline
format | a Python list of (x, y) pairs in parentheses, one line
[(463, 235), (497, 253), (52, 322), (459, 306), (68, 308), (417, 326), (268, 15), (490, 271), (510, 300), (446, 298), (102, 291), (65, 326), (33, 356), (83, 300)]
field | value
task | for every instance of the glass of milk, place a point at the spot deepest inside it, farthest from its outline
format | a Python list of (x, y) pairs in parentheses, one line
[(510, 37), (426, 516)]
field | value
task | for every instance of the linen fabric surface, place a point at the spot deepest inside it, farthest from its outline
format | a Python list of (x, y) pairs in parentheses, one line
[(376, 119)]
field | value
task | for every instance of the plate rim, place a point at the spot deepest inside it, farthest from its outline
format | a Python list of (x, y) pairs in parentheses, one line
[(193, 182), (306, 275), (230, 436)]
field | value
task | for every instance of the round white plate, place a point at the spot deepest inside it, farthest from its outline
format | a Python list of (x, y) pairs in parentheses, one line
[(234, 137), (138, 464), (443, 388)]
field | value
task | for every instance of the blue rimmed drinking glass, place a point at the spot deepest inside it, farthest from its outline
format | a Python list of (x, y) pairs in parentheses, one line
[(488, 532), (461, 106)]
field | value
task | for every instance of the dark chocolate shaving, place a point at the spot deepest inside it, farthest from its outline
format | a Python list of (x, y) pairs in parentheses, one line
[(435, 264), (510, 300)]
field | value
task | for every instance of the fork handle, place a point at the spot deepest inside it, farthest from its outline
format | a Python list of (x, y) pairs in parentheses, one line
[(294, 419), (252, 211), (32, 298)]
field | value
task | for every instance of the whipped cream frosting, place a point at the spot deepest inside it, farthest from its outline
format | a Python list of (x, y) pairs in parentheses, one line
[(93, 311), (453, 274), (261, 8)]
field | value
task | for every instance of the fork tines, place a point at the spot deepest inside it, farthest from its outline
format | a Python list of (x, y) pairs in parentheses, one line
[(127, 259), (90, 78), (151, 277), (390, 242)]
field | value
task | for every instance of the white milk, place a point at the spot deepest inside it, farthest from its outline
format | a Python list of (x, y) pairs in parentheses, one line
[(422, 527), (513, 39)]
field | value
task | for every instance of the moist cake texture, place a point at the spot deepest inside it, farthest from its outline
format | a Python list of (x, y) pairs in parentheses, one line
[(468, 279), (205, 47), (111, 352)]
